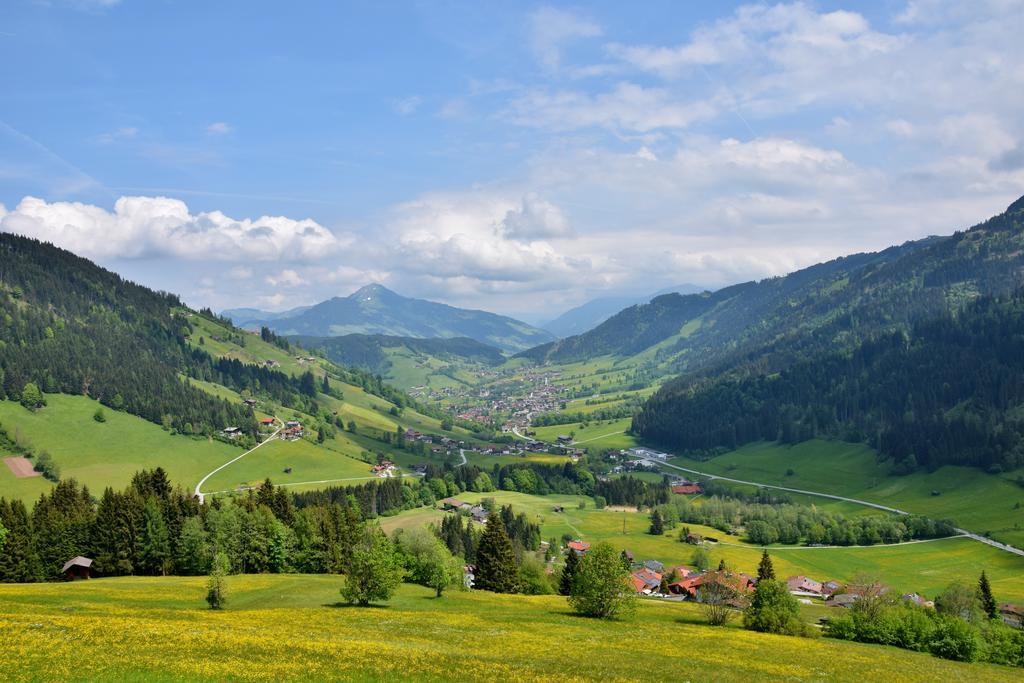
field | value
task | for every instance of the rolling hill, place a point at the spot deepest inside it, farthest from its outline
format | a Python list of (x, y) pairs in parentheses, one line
[(376, 310)]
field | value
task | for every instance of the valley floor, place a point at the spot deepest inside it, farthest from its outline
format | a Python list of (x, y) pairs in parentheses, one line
[(291, 627)]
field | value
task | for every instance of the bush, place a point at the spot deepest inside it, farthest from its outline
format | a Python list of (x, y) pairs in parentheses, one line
[(1003, 645), (955, 639), (841, 627), (773, 610), (99, 415)]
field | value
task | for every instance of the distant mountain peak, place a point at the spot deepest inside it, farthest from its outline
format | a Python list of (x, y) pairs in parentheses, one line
[(371, 291)]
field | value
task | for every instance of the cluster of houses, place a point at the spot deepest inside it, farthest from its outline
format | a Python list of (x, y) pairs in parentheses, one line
[(292, 430), (438, 444), (385, 468), (477, 512)]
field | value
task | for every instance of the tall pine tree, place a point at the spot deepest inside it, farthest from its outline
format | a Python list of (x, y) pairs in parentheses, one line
[(765, 570), (988, 602), (572, 564), (495, 560)]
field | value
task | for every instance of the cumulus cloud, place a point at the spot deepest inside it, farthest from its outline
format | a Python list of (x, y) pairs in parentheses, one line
[(286, 278), (534, 219), (159, 226)]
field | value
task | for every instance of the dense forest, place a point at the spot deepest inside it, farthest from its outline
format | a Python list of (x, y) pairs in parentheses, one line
[(68, 326), (949, 391), (368, 351)]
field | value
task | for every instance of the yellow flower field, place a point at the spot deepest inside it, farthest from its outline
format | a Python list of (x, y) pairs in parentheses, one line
[(291, 627)]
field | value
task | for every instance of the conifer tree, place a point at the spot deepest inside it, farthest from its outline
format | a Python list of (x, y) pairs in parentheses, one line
[(572, 563), (496, 569), (765, 570), (19, 562), (154, 545), (657, 524), (988, 602)]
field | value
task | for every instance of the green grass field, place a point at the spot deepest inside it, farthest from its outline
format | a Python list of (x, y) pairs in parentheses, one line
[(981, 502), (103, 454), (290, 627), (308, 462), (599, 435), (923, 567)]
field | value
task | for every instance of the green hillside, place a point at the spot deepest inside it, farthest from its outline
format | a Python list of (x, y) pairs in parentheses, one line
[(102, 454), (290, 627)]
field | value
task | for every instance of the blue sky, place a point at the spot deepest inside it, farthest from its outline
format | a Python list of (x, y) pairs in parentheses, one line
[(515, 157)]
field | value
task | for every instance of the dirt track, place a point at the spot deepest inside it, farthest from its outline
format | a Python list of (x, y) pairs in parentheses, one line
[(22, 467)]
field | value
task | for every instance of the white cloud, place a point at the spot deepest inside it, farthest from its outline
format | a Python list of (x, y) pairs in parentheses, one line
[(125, 133), (286, 278), (219, 128), (158, 226), (534, 219), (551, 28), (627, 107)]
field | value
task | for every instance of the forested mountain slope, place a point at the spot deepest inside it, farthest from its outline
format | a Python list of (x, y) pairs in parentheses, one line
[(67, 325), (370, 351), (377, 310), (900, 352)]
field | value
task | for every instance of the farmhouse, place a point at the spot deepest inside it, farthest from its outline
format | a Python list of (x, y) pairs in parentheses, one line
[(686, 488), (232, 432), (267, 421), (77, 568), (801, 585), (478, 513), (646, 581), (564, 439), (452, 504), (578, 547)]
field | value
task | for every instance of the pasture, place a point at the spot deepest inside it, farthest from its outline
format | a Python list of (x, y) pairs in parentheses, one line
[(279, 627), (101, 454), (983, 503)]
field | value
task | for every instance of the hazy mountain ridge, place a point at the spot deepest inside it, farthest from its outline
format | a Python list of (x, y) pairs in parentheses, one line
[(376, 310), (589, 315)]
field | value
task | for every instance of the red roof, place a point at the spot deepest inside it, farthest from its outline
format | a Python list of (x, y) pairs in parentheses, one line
[(686, 488), (579, 546)]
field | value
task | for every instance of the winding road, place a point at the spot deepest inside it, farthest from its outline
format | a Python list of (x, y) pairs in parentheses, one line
[(199, 487), (962, 532)]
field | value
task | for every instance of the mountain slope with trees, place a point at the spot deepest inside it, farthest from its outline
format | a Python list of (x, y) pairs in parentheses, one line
[(371, 351), (920, 356)]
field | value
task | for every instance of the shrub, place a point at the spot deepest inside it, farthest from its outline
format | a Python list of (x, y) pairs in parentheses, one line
[(373, 572), (99, 415), (955, 639), (773, 610), (841, 627), (1003, 645)]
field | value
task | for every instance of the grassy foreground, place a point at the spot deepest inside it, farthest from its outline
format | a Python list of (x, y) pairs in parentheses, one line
[(290, 627)]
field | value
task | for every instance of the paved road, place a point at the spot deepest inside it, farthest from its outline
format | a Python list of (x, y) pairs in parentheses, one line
[(962, 532), (199, 487)]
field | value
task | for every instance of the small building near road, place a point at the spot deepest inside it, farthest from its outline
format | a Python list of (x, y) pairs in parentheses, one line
[(578, 547), (801, 585), (77, 568)]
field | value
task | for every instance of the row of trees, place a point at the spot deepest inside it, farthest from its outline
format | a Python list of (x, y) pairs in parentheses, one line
[(789, 523)]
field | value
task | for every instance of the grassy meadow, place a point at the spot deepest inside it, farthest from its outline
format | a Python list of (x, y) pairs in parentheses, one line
[(280, 627), (101, 454), (984, 503), (596, 436), (926, 567)]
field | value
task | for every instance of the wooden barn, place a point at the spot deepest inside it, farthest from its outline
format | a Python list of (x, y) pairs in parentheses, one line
[(77, 568)]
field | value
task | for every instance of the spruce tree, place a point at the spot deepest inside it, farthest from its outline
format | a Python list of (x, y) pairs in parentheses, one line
[(657, 524), (155, 544), (19, 562), (988, 602), (765, 570), (572, 563), (496, 569)]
